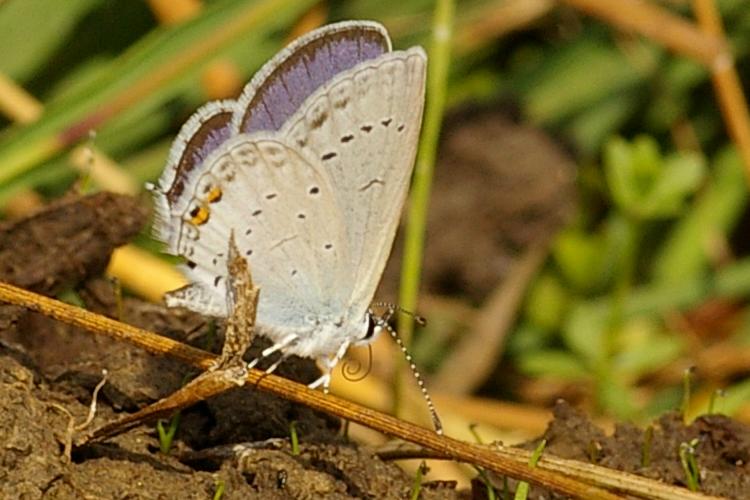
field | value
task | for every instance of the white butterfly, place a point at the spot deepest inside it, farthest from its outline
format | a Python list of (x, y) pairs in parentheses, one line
[(309, 169)]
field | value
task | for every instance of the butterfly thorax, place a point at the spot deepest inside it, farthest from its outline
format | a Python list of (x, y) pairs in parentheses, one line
[(320, 336)]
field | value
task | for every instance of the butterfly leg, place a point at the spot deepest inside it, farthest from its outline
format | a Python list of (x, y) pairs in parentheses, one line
[(328, 365), (275, 365), (285, 342), (324, 380)]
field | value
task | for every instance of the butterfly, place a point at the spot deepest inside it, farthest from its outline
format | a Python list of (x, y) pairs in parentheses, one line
[(308, 170)]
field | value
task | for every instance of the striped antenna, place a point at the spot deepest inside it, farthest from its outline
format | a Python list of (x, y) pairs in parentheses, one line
[(382, 322)]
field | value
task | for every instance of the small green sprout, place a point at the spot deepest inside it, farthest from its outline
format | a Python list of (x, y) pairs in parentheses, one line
[(648, 439), (482, 473), (294, 438), (522, 491), (416, 487), (690, 464), (220, 487), (718, 393), (117, 285), (166, 436), (595, 450), (345, 430), (686, 379)]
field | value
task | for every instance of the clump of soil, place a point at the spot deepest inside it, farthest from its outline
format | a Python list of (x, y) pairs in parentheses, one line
[(34, 418), (722, 449)]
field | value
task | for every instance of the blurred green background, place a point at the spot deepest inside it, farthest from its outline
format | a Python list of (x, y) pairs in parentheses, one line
[(649, 277)]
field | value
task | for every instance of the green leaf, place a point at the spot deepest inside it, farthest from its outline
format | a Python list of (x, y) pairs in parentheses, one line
[(585, 332), (579, 76), (642, 346), (680, 177), (553, 363), (546, 302), (686, 253), (580, 258), (616, 397), (647, 186), (20, 27)]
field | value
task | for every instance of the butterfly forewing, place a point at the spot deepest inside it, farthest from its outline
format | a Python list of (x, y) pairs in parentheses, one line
[(362, 128)]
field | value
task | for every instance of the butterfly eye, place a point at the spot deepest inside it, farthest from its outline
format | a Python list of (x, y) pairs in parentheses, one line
[(371, 326)]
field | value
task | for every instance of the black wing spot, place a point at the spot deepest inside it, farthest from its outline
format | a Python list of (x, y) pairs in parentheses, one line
[(249, 252), (214, 261), (400, 128), (371, 183), (217, 280), (301, 215), (257, 212), (319, 120), (271, 196), (248, 231), (366, 128), (294, 272), (341, 104), (347, 138), (314, 190), (328, 246), (191, 264), (302, 142), (387, 122), (328, 156)]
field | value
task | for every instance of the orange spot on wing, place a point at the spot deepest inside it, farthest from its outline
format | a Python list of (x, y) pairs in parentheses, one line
[(199, 215), (214, 195)]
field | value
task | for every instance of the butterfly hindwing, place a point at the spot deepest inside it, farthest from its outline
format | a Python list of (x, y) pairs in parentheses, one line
[(290, 230)]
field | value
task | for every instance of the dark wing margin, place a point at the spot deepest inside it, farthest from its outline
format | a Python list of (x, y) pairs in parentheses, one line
[(286, 81)]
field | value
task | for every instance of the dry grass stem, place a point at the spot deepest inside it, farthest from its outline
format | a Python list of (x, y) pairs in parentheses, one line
[(491, 459), (658, 24)]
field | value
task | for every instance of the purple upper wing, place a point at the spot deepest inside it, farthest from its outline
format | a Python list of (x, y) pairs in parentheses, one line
[(283, 84)]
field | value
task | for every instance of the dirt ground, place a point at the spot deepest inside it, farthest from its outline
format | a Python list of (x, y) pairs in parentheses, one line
[(238, 442)]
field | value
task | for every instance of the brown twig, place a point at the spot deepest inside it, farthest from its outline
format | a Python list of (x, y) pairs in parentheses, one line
[(495, 19), (16, 103), (491, 459), (658, 24), (727, 83), (174, 11), (593, 474), (208, 384)]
